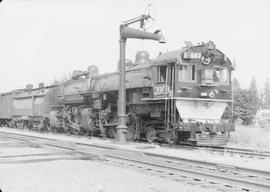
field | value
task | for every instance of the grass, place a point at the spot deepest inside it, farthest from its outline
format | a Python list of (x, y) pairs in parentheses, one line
[(251, 137)]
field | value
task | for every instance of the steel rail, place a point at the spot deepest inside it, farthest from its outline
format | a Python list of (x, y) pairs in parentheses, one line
[(226, 179), (225, 149), (260, 154), (167, 162), (241, 151)]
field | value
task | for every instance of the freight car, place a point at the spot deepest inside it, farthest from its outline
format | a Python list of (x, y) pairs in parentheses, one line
[(179, 96), (25, 108), (6, 108)]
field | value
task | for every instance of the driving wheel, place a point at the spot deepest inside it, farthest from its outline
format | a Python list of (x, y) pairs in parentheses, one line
[(171, 137), (150, 134)]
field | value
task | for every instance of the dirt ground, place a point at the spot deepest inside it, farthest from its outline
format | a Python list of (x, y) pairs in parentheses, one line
[(84, 176)]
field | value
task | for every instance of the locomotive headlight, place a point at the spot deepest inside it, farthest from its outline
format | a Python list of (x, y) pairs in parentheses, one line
[(212, 94), (206, 60)]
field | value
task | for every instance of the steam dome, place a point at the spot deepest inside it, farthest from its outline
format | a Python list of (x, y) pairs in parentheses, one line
[(142, 57)]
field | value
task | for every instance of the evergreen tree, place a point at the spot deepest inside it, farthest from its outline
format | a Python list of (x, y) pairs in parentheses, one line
[(261, 98), (228, 113), (245, 102), (235, 85), (266, 102), (244, 106), (253, 86), (237, 104), (253, 94)]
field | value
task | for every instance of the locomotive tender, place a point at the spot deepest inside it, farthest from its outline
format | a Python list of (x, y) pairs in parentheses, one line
[(179, 96)]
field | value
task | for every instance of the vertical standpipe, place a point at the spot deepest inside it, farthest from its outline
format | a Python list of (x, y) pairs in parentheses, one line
[(122, 128), (125, 33)]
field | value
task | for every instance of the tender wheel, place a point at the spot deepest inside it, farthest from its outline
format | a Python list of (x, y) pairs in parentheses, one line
[(171, 137), (45, 127), (131, 133), (76, 131), (150, 134), (44, 124)]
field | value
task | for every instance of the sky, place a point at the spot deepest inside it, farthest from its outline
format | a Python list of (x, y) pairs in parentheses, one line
[(45, 40)]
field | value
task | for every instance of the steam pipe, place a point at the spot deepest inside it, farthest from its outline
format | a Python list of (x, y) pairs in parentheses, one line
[(122, 128), (140, 19), (131, 33), (125, 33)]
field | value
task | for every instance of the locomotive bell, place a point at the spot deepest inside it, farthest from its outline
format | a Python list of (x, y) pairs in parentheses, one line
[(142, 57)]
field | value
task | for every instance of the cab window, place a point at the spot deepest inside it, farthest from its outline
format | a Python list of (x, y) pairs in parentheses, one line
[(162, 70), (220, 75), (187, 73)]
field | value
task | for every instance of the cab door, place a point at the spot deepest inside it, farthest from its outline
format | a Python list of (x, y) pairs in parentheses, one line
[(164, 86), (170, 109)]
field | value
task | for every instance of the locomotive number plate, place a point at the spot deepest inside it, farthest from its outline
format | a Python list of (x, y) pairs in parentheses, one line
[(161, 90), (192, 55)]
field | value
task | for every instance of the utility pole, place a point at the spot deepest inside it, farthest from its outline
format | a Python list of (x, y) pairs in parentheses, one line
[(125, 33)]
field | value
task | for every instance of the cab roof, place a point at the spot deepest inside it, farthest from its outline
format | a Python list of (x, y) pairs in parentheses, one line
[(175, 56)]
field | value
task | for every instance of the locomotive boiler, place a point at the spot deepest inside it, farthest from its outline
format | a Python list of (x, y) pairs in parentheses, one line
[(178, 97)]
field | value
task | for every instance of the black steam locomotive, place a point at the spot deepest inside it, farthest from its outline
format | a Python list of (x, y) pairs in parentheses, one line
[(178, 97)]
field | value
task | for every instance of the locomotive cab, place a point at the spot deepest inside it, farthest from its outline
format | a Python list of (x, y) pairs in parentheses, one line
[(194, 85)]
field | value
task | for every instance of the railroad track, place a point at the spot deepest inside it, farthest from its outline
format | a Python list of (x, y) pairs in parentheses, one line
[(250, 153), (207, 174), (232, 151), (240, 152)]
